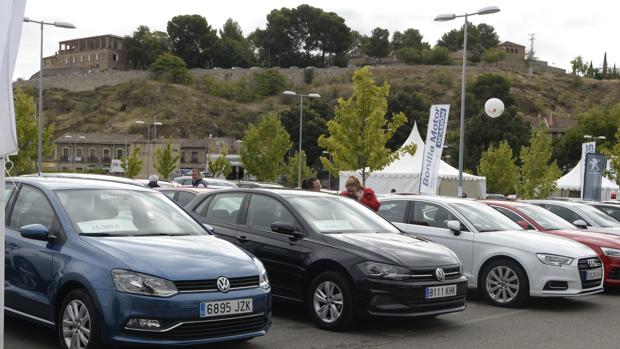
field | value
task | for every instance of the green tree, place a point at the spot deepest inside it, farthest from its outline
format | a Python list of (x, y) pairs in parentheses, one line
[(359, 131), (192, 39), (263, 148), (170, 68), (493, 55), (378, 44), (220, 166), (415, 106), (316, 114), (409, 38), (578, 65), (497, 164), (269, 82), (143, 47), (165, 161), (292, 169), (132, 164), (537, 173), (276, 43), (233, 49), (26, 128)]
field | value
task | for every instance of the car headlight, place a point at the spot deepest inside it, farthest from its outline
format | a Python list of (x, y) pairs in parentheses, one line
[(137, 283), (384, 271), (610, 252), (555, 260), (263, 280)]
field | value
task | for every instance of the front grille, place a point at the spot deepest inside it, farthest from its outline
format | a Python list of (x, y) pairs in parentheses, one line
[(211, 285), (614, 274), (429, 274), (213, 328), (585, 264)]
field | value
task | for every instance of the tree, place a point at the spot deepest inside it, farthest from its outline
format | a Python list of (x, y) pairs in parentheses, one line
[(359, 131), (192, 39), (415, 106), (143, 47), (170, 68), (221, 166), (479, 38), (233, 49), (493, 55), (269, 82), (497, 164), (578, 66), (132, 164), (605, 66), (409, 38), (614, 155), (292, 169), (378, 44), (263, 148), (316, 114), (26, 129), (537, 173), (276, 42), (165, 161)]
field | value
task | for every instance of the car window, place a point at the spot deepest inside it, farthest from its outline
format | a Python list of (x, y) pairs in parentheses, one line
[(8, 190), (483, 217), (394, 211), (567, 214), (169, 193), (508, 213), (225, 207), (185, 197), (614, 212), (431, 215), (201, 209), (264, 210), (31, 207), (597, 217)]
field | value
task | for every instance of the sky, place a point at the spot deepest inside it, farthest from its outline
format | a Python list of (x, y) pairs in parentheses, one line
[(564, 29)]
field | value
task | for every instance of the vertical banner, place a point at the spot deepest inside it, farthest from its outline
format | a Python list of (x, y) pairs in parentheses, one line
[(586, 148), (593, 177), (435, 138)]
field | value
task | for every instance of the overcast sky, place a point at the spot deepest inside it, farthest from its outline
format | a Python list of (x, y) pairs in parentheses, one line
[(563, 29)]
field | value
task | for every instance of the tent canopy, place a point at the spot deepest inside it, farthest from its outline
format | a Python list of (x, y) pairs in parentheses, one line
[(403, 174), (572, 182)]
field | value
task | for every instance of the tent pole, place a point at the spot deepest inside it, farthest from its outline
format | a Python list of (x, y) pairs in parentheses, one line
[(2, 231)]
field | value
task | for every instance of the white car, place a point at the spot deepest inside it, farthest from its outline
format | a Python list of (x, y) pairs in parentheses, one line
[(582, 215), (506, 265)]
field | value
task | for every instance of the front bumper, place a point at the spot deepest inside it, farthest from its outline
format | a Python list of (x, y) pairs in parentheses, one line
[(180, 315), (571, 277), (407, 299), (612, 270)]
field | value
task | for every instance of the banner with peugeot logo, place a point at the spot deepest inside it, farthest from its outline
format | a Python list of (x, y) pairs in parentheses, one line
[(595, 165)]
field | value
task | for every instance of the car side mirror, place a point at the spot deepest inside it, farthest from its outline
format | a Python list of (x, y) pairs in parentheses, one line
[(286, 229), (36, 232), (525, 225), (455, 226), (581, 224)]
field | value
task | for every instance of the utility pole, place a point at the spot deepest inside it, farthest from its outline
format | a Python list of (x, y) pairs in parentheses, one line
[(530, 54)]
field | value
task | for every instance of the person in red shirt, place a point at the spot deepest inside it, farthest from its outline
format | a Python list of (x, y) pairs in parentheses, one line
[(366, 196)]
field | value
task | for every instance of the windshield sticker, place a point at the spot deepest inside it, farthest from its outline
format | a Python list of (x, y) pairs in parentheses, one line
[(333, 225), (106, 226)]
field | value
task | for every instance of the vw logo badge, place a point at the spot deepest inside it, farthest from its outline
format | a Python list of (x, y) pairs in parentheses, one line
[(439, 273), (223, 284)]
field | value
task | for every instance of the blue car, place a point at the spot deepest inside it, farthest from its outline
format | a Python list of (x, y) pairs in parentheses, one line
[(108, 264)]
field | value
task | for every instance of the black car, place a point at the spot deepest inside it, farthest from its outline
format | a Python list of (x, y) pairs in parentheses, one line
[(335, 255)]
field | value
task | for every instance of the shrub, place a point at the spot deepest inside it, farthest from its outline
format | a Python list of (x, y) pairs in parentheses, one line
[(170, 68), (269, 82), (308, 75)]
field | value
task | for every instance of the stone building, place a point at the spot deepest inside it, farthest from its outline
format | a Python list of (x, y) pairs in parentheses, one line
[(514, 52), (96, 53)]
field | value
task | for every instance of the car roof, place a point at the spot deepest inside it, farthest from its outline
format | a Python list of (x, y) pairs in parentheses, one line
[(86, 176), (505, 203), (432, 198), (555, 202), (286, 193), (187, 189), (59, 183)]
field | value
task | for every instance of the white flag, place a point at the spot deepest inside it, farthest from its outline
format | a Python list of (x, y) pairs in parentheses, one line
[(11, 20), (433, 148)]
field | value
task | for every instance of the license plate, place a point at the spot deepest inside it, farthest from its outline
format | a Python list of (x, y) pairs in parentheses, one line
[(230, 307), (440, 291), (594, 274)]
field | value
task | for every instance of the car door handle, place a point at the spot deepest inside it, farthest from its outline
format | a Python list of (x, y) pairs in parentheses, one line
[(242, 238)]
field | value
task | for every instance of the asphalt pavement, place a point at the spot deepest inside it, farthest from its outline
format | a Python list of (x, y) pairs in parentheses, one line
[(588, 322)]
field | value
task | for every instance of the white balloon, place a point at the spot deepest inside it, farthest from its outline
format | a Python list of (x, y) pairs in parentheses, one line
[(494, 107)]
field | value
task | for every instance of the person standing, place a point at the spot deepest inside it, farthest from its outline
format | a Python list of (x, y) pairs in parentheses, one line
[(311, 183), (356, 191), (197, 181)]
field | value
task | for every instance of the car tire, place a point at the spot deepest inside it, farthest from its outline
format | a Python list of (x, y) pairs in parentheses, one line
[(504, 283), (84, 328), (330, 301)]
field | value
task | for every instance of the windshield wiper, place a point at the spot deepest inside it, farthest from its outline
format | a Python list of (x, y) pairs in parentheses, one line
[(101, 234), (160, 234)]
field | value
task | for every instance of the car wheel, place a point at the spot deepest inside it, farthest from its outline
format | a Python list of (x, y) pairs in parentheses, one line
[(78, 324), (330, 301), (504, 284)]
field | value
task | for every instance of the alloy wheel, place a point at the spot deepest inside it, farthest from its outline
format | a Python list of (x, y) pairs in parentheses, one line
[(328, 301), (502, 284), (76, 325)]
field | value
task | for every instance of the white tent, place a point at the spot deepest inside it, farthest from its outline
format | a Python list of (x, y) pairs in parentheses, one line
[(404, 174), (572, 182)]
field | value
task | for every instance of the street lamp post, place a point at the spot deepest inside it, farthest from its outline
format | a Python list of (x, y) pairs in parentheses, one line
[(301, 118), (40, 122), (152, 149), (449, 17)]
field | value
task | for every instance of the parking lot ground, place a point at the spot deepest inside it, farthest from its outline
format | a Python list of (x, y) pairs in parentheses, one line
[(588, 322)]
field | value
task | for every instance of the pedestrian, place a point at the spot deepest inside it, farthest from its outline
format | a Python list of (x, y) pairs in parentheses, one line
[(311, 183), (197, 181), (153, 181), (356, 191)]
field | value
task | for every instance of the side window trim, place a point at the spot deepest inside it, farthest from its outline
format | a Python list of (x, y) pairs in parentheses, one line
[(55, 221)]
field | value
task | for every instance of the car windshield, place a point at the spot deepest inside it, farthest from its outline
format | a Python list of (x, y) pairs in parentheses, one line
[(484, 217), (99, 212), (334, 214), (598, 218), (546, 219)]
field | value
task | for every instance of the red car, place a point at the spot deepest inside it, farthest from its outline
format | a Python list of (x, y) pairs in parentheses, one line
[(533, 217)]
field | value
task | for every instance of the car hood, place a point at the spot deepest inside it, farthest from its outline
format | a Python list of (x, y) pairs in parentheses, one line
[(590, 237), (197, 257), (537, 242), (609, 230), (402, 249)]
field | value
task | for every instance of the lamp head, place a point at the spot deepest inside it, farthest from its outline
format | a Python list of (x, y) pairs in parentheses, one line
[(64, 25), (488, 10), (445, 17)]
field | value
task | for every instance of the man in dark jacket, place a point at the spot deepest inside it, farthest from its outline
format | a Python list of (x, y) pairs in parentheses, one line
[(197, 181)]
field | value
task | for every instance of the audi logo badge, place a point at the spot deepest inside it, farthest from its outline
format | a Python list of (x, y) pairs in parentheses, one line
[(223, 284), (592, 262), (440, 274)]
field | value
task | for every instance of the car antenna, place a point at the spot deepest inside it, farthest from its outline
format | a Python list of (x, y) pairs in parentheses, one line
[(36, 164)]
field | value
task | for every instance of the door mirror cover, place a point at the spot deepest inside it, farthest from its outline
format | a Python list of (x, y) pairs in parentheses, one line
[(286, 229), (35, 232), (455, 226), (581, 224)]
